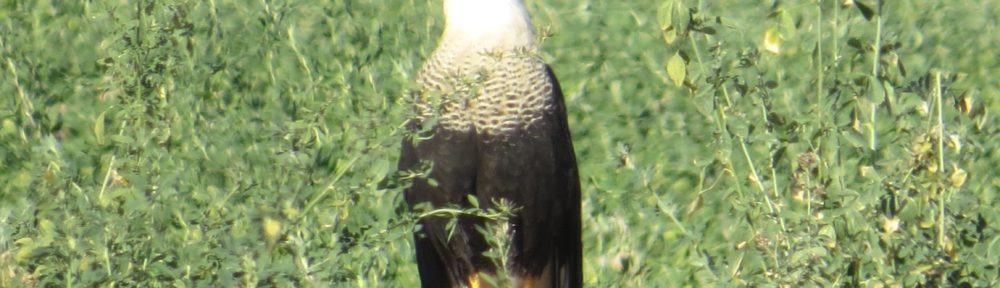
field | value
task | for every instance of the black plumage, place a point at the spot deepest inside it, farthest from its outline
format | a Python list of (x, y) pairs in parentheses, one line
[(499, 132)]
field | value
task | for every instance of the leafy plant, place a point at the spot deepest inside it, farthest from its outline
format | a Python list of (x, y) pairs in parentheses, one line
[(233, 143)]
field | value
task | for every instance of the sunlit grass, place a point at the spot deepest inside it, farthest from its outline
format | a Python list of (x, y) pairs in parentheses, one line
[(253, 143)]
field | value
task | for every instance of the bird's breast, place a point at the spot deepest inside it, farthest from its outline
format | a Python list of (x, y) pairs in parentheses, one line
[(494, 94)]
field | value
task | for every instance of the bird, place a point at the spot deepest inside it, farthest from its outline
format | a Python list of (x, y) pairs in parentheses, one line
[(489, 119)]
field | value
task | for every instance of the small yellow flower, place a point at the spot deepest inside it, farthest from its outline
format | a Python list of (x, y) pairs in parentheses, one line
[(864, 170), (923, 108), (958, 176), (271, 227), (890, 225), (954, 142), (932, 167), (921, 146)]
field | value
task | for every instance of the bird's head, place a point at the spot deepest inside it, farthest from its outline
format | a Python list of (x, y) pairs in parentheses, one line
[(489, 23)]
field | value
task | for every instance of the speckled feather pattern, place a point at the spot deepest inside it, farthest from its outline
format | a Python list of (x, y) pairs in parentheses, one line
[(492, 91)]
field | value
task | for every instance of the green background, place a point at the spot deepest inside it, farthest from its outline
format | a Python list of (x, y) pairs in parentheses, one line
[(721, 143)]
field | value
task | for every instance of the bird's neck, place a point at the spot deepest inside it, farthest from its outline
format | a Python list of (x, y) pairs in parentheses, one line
[(485, 25)]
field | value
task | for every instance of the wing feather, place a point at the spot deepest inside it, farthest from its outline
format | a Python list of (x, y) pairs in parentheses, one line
[(444, 257), (535, 168)]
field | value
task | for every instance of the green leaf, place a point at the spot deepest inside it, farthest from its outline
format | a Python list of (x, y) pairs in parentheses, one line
[(665, 16), (473, 200), (27, 246), (122, 139), (8, 127), (99, 128), (380, 168), (677, 69), (876, 93), (772, 41), (854, 139), (889, 92)]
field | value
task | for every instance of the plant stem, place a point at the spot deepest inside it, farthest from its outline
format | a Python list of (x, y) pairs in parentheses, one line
[(27, 109), (819, 60), (940, 147), (873, 135)]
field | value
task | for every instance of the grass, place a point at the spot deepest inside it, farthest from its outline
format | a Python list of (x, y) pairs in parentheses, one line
[(721, 143)]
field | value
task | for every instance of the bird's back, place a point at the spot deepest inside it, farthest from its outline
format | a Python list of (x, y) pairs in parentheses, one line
[(498, 132)]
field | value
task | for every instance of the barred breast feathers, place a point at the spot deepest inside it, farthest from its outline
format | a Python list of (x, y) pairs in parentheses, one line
[(485, 73)]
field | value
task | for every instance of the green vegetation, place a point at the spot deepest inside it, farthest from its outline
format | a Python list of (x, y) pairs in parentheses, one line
[(723, 143)]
